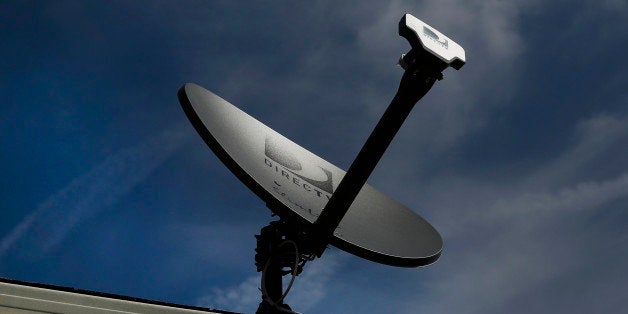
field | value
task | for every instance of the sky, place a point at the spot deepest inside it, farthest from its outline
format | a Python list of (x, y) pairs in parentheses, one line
[(519, 160)]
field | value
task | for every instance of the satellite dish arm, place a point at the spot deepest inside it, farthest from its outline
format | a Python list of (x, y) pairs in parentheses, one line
[(414, 85), (422, 68)]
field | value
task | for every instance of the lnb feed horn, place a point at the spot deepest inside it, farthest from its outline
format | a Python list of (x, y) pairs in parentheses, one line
[(430, 48)]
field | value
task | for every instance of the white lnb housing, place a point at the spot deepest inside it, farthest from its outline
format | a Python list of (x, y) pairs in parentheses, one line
[(421, 35)]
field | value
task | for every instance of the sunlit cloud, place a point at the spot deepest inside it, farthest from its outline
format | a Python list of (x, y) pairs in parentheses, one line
[(535, 231), (309, 289)]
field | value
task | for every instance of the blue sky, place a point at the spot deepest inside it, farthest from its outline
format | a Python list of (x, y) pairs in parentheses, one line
[(519, 159)]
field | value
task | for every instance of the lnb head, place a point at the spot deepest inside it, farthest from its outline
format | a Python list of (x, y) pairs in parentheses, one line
[(430, 48)]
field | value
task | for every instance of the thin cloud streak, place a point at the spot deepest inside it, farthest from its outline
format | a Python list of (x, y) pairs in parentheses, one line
[(88, 195)]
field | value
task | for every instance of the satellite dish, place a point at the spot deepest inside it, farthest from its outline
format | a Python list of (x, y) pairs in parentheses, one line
[(318, 203), (297, 184)]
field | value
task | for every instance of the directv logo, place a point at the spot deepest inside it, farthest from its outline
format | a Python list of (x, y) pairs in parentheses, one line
[(311, 178), (430, 34)]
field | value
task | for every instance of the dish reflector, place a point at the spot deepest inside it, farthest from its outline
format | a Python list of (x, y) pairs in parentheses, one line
[(296, 184)]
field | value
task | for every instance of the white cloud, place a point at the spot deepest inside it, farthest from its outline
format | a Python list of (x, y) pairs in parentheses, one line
[(242, 298), (309, 289), (309, 83), (509, 244), (462, 103), (503, 239), (594, 137), (520, 243)]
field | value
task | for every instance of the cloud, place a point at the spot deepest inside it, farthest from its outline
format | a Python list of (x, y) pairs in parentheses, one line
[(524, 242), (508, 241), (505, 239), (344, 64), (242, 298), (535, 241), (465, 102), (309, 289), (225, 246), (97, 190), (594, 137)]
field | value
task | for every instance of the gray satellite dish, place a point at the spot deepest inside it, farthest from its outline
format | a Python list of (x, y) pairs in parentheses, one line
[(318, 203), (298, 184)]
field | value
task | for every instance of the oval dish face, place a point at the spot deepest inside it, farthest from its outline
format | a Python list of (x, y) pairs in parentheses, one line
[(296, 184)]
